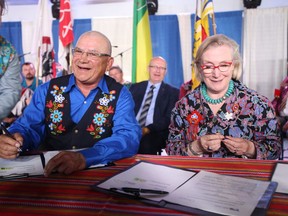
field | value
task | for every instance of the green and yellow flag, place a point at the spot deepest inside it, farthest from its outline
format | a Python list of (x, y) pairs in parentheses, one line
[(142, 46), (204, 9)]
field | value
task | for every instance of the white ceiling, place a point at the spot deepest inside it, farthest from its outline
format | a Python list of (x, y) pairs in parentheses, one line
[(31, 2)]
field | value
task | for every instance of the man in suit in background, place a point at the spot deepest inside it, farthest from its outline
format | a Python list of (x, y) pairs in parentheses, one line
[(153, 110)]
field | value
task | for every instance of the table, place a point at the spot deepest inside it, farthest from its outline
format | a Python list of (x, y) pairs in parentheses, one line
[(72, 195)]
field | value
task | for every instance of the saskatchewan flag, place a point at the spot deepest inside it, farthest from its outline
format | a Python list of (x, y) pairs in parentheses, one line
[(142, 46)]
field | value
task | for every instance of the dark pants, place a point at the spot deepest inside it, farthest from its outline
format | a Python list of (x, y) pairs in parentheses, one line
[(152, 143)]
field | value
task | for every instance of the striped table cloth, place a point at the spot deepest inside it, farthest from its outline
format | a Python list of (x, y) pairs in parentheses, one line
[(72, 195)]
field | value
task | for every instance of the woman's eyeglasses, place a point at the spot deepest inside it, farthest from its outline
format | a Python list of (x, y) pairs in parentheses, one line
[(209, 68)]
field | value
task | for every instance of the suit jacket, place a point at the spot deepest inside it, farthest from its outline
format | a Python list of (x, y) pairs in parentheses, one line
[(165, 102)]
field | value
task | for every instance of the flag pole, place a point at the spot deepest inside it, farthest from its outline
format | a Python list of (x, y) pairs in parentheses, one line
[(38, 66), (213, 21), (70, 59)]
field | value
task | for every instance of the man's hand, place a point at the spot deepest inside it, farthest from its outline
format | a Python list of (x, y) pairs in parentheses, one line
[(9, 146), (145, 131), (65, 162)]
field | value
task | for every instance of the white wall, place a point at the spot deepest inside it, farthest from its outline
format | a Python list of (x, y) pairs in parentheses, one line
[(125, 8)]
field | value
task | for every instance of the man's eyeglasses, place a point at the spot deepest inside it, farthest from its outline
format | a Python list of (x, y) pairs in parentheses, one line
[(209, 68), (90, 54), (154, 67)]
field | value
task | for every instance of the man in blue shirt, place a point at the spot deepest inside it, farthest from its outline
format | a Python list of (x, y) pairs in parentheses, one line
[(86, 110)]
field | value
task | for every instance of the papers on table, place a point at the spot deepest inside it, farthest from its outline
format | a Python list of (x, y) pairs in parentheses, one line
[(149, 176), (30, 165), (220, 194), (205, 191), (25, 166)]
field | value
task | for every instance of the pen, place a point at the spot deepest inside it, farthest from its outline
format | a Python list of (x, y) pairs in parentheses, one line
[(7, 133), (137, 191), (14, 176)]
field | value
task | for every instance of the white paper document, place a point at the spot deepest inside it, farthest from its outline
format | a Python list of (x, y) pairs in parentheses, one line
[(149, 176), (220, 193), (281, 176), (29, 165)]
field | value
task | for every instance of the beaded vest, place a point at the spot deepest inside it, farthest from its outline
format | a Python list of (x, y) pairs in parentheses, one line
[(96, 124)]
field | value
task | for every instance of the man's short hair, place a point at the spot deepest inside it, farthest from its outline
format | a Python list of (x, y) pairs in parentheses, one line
[(116, 67), (26, 63)]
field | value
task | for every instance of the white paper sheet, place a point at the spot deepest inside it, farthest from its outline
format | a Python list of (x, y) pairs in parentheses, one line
[(281, 176), (31, 164), (149, 176), (221, 194)]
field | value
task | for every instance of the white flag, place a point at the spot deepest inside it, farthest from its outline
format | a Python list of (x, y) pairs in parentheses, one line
[(42, 44)]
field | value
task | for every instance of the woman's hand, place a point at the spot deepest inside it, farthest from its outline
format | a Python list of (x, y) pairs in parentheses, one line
[(240, 146), (210, 142)]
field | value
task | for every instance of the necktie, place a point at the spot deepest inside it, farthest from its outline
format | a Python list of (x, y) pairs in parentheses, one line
[(143, 115)]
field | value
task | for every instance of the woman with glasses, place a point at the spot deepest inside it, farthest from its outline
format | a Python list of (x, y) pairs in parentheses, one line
[(222, 117)]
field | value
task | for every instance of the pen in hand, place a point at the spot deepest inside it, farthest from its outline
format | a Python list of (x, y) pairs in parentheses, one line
[(7, 133)]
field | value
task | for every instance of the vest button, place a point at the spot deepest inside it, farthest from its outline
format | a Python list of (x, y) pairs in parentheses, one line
[(76, 131)]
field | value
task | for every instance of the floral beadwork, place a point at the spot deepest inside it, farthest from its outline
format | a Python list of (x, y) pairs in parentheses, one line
[(56, 115), (100, 119)]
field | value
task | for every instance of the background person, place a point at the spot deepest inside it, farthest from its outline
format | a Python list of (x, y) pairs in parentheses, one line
[(116, 73), (155, 123), (29, 79), (10, 87), (86, 110), (222, 117)]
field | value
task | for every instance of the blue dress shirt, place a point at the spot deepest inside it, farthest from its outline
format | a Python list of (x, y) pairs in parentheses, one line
[(124, 141)]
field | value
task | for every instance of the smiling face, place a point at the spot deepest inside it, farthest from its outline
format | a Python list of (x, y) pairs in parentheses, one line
[(157, 70), (217, 82), (88, 70)]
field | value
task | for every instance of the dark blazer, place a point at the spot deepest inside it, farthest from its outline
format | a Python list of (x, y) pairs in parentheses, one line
[(165, 102)]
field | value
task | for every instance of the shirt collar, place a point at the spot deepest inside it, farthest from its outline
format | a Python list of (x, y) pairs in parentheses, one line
[(157, 85), (102, 85)]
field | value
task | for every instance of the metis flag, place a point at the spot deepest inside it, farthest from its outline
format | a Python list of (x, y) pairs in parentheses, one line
[(142, 46), (204, 13), (43, 41), (66, 35)]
